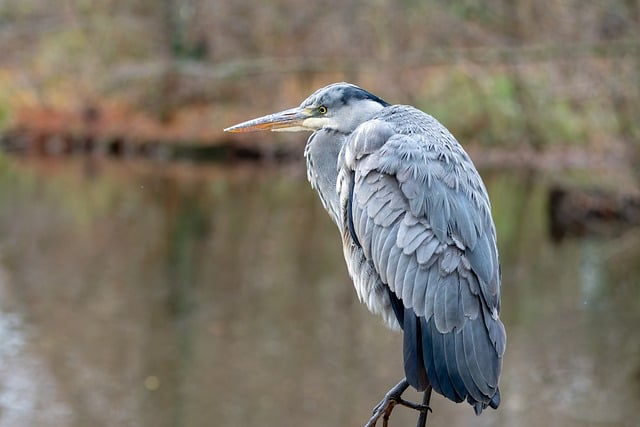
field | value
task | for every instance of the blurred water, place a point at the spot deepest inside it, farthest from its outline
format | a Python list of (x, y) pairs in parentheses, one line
[(155, 295)]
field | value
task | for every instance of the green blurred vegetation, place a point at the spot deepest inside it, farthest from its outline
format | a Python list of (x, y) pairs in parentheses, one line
[(496, 72), (485, 108)]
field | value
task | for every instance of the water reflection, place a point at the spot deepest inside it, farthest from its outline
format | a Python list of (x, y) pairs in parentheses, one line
[(179, 296)]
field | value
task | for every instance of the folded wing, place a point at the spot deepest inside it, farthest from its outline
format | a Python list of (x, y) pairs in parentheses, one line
[(417, 209)]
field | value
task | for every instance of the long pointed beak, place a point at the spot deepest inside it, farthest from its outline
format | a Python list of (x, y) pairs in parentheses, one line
[(287, 120)]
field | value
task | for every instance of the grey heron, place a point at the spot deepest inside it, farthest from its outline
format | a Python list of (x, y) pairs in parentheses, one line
[(417, 234)]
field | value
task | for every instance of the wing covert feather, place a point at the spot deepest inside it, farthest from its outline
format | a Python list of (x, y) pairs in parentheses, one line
[(422, 216), (431, 208)]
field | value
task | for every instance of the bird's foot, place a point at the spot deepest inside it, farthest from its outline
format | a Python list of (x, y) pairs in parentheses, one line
[(391, 399)]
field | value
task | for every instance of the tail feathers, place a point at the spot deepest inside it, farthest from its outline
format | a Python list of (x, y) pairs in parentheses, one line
[(494, 403), (439, 362), (460, 365), (495, 400)]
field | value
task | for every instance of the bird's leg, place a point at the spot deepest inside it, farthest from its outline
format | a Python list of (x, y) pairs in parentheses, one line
[(391, 399), (384, 408), (426, 397)]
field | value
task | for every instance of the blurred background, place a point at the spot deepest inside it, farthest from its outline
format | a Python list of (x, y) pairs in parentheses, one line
[(157, 272)]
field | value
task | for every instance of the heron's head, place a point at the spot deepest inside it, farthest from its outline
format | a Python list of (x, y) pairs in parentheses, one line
[(339, 106)]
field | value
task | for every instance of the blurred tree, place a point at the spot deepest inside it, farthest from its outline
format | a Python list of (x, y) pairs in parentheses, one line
[(557, 71)]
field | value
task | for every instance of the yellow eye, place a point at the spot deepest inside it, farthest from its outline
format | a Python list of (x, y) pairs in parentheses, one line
[(322, 109)]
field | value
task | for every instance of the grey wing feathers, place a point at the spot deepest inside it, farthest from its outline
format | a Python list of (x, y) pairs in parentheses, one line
[(421, 216)]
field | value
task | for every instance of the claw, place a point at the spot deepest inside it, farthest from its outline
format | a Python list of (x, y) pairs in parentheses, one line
[(383, 409), (394, 397)]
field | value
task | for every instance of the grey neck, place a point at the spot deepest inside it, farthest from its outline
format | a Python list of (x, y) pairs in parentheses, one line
[(321, 152)]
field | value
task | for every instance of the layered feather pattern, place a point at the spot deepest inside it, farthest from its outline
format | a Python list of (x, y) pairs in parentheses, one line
[(416, 213)]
